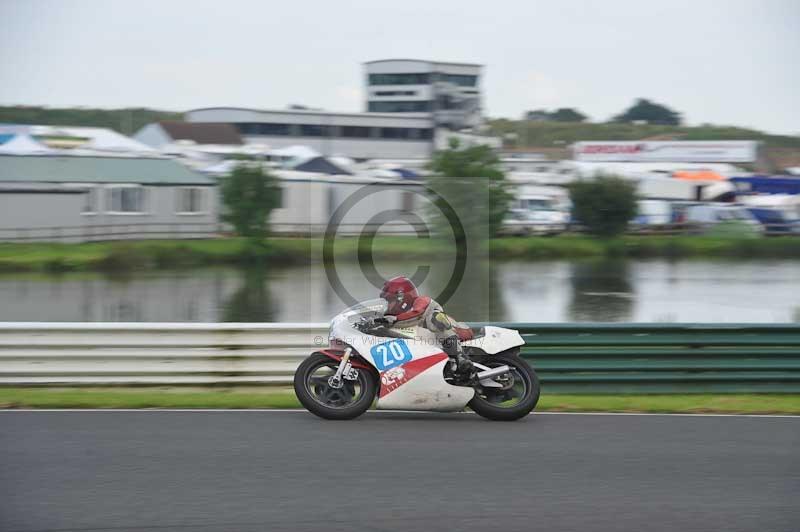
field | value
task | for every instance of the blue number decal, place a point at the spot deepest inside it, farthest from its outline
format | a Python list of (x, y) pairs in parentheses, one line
[(390, 354)]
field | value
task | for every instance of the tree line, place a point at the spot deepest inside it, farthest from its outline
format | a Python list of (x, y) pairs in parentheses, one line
[(126, 121), (642, 110)]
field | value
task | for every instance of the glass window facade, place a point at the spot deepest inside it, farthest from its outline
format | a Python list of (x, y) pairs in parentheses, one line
[(395, 132), (399, 107), (395, 93), (462, 80), (263, 128), (314, 130), (400, 79), (327, 131), (355, 132)]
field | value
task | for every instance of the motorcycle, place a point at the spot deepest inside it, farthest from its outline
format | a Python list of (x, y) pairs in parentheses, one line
[(406, 369)]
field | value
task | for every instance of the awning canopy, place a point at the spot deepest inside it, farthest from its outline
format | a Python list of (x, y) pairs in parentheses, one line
[(699, 175)]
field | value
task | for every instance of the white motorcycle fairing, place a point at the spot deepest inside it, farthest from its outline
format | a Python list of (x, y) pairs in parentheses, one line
[(411, 368), (495, 340)]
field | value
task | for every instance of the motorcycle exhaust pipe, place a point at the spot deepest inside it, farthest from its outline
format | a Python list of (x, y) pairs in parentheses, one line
[(494, 372)]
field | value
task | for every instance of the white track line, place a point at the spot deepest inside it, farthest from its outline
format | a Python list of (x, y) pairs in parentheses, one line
[(297, 410)]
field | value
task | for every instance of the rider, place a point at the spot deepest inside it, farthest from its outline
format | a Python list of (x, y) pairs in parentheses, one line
[(408, 309)]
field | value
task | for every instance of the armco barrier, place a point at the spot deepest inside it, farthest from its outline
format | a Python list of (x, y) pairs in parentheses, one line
[(604, 358), (664, 358)]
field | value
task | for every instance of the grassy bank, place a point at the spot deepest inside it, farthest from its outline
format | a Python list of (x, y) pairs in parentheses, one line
[(156, 254), (284, 398)]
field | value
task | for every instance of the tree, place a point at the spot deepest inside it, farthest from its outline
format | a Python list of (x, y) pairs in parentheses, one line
[(563, 114), (471, 181), (604, 205), (650, 112), (249, 195), (567, 114)]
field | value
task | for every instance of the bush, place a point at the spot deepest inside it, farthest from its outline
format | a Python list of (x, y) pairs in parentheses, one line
[(604, 205)]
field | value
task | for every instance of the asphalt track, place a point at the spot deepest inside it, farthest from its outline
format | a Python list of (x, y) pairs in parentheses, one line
[(278, 471)]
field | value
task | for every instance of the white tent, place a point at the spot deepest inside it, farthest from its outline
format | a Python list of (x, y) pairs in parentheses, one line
[(97, 138), (295, 152), (24, 145)]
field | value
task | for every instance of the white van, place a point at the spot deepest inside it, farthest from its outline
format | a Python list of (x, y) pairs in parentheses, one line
[(653, 212), (535, 215), (704, 217)]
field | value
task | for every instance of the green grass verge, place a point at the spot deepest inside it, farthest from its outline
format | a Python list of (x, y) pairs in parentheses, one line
[(162, 254), (253, 397)]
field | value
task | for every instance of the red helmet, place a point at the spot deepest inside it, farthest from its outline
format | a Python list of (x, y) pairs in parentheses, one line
[(400, 292)]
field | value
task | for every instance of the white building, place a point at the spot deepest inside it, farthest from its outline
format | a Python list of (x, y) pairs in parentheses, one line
[(357, 135), (449, 91), (413, 108), (78, 198)]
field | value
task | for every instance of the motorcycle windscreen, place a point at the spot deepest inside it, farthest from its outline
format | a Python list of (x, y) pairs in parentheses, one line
[(372, 308)]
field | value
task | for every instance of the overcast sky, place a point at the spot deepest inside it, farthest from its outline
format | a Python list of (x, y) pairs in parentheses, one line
[(723, 62)]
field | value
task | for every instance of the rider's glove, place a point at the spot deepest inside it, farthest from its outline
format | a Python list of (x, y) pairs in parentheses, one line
[(384, 320)]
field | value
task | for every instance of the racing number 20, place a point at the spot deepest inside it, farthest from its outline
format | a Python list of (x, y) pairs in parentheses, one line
[(390, 354)]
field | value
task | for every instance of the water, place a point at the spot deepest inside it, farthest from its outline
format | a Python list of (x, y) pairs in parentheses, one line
[(550, 291)]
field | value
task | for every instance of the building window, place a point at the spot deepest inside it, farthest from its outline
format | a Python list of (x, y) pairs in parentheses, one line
[(355, 132), (399, 107), (461, 80), (399, 79), (262, 128), (395, 132), (314, 130), (90, 201), (126, 199), (191, 200), (395, 93)]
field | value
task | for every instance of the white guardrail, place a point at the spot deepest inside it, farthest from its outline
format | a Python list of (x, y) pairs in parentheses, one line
[(155, 353)]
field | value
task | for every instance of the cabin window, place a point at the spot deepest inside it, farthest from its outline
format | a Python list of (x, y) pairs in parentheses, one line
[(191, 200), (90, 201), (126, 199)]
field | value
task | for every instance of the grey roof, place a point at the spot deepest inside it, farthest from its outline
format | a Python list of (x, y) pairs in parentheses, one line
[(202, 132), (320, 165), (455, 63), (89, 169)]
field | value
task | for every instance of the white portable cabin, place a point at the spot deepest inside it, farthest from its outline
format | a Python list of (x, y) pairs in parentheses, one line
[(311, 200)]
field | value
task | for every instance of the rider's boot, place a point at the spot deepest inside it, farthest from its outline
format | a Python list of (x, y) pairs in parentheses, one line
[(462, 365)]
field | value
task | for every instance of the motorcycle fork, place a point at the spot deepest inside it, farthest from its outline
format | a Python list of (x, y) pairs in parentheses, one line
[(345, 369)]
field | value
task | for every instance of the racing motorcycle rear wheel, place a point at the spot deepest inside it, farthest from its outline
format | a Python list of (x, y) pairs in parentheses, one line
[(349, 400), (517, 394)]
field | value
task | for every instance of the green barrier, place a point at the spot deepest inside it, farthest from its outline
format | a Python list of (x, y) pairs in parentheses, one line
[(663, 358)]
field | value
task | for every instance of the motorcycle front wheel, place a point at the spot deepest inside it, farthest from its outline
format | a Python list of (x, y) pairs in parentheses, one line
[(314, 392), (517, 396)]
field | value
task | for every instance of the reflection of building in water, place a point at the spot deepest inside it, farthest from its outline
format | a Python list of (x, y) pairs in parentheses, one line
[(155, 297)]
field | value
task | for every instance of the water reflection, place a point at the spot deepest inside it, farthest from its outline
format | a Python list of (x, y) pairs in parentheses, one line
[(479, 297), (252, 301), (552, 291), (601, 291)]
